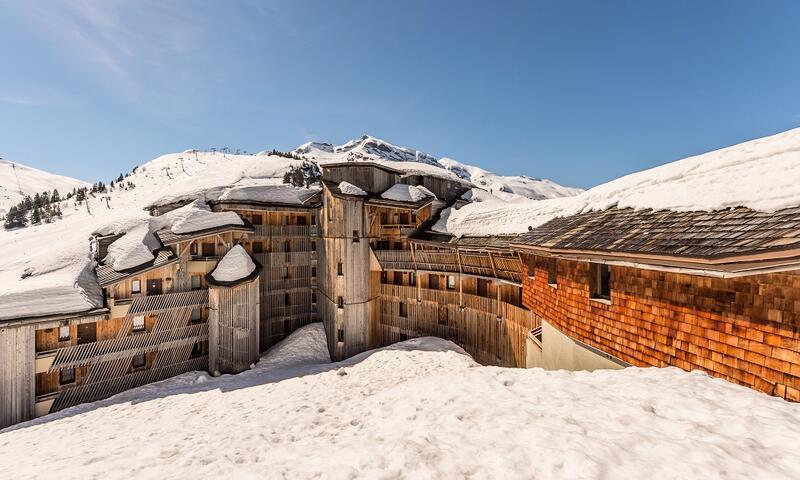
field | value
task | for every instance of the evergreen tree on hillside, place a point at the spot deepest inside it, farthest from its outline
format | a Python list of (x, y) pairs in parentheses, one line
[(36, 216), (55, 198)]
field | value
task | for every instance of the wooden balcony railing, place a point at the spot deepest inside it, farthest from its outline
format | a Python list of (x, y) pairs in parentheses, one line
[(436, 261), (395, 259), (286, 230)]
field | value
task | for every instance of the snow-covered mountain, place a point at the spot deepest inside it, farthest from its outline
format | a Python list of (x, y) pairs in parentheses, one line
[(17, 180), (368, 148)]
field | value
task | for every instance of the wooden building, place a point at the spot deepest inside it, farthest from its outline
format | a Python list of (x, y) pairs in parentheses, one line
[(714, 291)]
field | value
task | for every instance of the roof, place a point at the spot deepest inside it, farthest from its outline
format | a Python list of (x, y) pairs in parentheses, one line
[(269, 195), (168, 237), (696, 234), (218, 283), (106, 274), (362, 163)]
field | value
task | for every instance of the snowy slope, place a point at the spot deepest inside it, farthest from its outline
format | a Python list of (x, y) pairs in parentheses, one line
[(419, 409), (762, 174), (369, 148), (17, 180), (51, 269)]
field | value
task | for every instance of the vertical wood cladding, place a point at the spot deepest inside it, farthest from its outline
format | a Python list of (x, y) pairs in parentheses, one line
[(745, 330), (17, 386)]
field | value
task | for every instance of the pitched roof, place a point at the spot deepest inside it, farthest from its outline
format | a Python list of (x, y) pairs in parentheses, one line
[(697, 234), (106, 274)]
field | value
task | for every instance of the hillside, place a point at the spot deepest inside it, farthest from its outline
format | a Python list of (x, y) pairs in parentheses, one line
[(418, 409), (17, 180), (367, 148)]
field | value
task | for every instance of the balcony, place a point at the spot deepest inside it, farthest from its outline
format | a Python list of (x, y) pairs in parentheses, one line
[(395, 259), (286, 230), (437, 261)]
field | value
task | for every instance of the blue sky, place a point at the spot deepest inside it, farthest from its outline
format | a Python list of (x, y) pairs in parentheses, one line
[(578, 92)]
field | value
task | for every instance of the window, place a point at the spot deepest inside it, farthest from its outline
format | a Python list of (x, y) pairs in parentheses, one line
[(384, 218), (209, 250), (63, 333), (403, 218), (139, 361), (398, 278), (403, 310), (138, 323), (340, 302), (196, 282), (355, 236), (287, 246), (301, 220), (66, 376), (552, 271), (384, 277), (286, 219), (340, 335), (197, 315), (451, 282), (313, 245), (398, 245), (483, 288), (193, 248), (313, 297), (412, 278), (339, 269), (258, 247), (287, 300), (197, 350), (433, 282), (383, 244), (313, 219), (530, 264), (600, 281), (413, 218), (313, 272), (136, 286), (284, 272), (257, 219)]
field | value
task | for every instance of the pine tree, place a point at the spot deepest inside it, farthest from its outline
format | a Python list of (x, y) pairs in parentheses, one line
[(55, 198), (36, 216)]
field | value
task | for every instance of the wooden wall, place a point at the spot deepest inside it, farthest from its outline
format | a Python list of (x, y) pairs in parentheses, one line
[(233, 334), (745, 330), (366, 177), (17, 369)]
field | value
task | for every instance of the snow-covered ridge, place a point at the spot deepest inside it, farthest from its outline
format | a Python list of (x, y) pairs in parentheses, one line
[(368, 148), (17, 181), (418, 409), (762, 174)]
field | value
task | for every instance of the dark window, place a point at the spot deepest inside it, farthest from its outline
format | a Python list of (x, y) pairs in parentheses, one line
[(384, 218), (257, 219), (87, 333), (451, 282), (433, 282), (208, 250), (412, 278), (340, 335), (313, 297), (258, 247), (284, 272), (314, 272), (384, 277), (196, 282), (63, 333), (403, 337), (339, 269), (139, 361), (552, 271), (383, 244), (398, 278), (136, 286), (355, 236), (67, 375), (154, 286), (414, 217), (483, 287), (600, 281), (193, 248), (287, 246), (403, 310), (301, 220), (313, 219), (286, 219), (313, 245), (197, 315), (340, 302), (398, 245), (287, 300), (404, 218), (197, 350)]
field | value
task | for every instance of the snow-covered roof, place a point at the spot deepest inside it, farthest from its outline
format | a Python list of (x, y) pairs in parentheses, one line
[(283, 194), (348, 188), (236, 265), (401, 192), (762, 174)]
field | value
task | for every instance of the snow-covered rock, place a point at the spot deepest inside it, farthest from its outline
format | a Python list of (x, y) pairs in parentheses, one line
[(417, 409), (234, 266), (348, 188), (17, 181)]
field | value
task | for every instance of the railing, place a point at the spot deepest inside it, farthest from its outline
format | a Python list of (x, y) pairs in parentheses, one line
[(436, 261), (286, 230), (399, 291), (397, 230), (395, 259), (286, 284), (476, 264), (285, 259)]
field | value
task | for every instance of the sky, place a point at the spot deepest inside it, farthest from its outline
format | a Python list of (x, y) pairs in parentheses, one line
[(577, 92)]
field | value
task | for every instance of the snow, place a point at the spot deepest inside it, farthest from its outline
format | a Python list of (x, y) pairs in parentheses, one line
[(407, 193), (762, 174), (51, 266), (417, 409), (197, 216), (348, 188), (278, 193), (132, 249), (17, 180), (235, 265)]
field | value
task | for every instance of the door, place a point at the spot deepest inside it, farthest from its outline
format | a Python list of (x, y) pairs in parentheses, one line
[(154, 286), (87, 333)]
